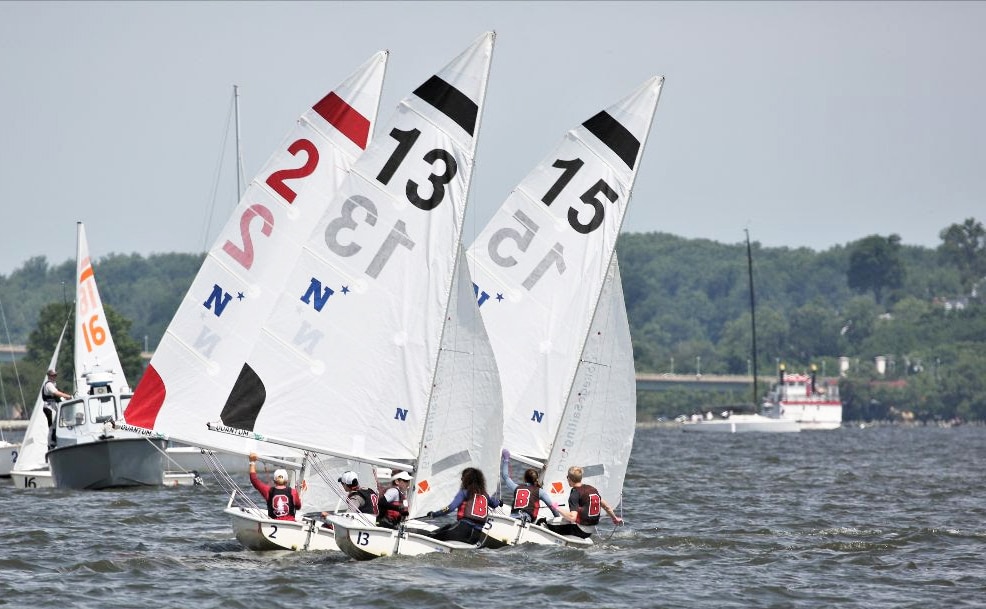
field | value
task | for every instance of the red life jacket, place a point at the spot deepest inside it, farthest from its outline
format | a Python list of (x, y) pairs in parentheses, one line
[(526, 500), (474, 509), (393, 510), (280, 503), (588, 505)]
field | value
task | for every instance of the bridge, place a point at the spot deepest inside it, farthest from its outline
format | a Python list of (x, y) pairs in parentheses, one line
[(645, 381), (706, 382)]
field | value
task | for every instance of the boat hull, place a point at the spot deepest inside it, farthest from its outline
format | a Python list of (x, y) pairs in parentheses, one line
[(742, 424), (365, 542), (255, 531), (502, 530), (37, 478), (110, 463), (8, 456)]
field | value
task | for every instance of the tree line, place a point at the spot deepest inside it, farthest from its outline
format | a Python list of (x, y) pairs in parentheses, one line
[(689, 310)]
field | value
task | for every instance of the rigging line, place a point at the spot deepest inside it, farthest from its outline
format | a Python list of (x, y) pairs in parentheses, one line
[(218, 175)]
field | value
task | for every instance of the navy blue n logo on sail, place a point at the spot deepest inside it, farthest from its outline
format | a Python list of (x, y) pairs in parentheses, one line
[(616, 137), (450, 101)]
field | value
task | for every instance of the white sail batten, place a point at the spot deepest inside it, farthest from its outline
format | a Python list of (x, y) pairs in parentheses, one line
[(541, 266), (94, 348), (199, 372)]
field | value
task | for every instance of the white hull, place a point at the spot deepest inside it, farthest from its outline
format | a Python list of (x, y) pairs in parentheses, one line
[(42, 478), (810, 416), (742, 423), (364, 542), (504, 530), (8, 455), (257, 532), (35, 478)]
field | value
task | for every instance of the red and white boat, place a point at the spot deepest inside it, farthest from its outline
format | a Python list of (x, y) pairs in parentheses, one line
[(812, 402)]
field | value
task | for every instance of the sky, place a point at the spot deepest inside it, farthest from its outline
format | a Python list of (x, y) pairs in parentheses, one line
[(810, 124)]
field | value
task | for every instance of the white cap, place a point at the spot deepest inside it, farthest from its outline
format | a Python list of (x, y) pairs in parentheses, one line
[(281, 473), (401, 476), (348, 478)]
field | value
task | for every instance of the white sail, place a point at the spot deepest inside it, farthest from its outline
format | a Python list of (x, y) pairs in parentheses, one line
[(599, 419), (35, 443), (550, 299), (353, 347), (465, 419), (199, 372), (94, 348)]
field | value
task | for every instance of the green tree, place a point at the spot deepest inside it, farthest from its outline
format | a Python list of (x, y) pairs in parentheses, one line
[(964, 247), (875, 265)]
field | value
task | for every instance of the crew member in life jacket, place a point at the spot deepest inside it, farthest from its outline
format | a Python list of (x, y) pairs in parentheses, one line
[(393, 506), (527, 497), (51, 396), (472, 505), (282, 501), (360, 499), (585, 506)]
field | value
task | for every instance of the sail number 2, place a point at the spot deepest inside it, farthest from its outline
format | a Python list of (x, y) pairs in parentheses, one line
[(244, 253), (398, 233)]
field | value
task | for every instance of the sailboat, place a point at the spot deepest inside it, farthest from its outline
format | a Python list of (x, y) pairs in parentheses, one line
[(89, 453), (739, 422), (31, 469), (552, 300), (375, 351), (200, 372)]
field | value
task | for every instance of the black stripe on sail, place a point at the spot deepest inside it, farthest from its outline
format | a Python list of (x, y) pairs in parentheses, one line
[(617, 137), (450, 101), (245, 400)]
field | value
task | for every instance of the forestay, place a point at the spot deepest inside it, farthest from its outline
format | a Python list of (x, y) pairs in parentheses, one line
[(550, 293), (200, 371), (368, 333)]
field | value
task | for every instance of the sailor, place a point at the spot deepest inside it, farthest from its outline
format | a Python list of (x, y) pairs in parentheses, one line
[(361, 499), (585, 506), (393, 507), (527, 496), (471, 505), (51, 396), (282, 501)]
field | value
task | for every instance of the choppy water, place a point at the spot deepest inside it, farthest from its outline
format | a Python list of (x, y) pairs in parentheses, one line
[(879, 517)]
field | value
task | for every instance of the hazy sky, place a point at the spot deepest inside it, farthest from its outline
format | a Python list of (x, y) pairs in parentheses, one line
[(811, 124)]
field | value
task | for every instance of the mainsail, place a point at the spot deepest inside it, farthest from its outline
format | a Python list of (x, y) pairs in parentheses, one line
[(376, 331), (35, 444), (199, 370), (94, 348), (549, 289)]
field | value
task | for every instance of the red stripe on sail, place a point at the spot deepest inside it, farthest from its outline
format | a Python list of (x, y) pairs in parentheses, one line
[(345, 118), (147, 401)]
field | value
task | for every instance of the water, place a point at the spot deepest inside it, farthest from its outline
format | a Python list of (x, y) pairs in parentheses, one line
[(878, 517)]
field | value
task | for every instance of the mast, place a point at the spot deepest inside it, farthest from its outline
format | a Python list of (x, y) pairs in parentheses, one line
[(239, 150), (753, 315)]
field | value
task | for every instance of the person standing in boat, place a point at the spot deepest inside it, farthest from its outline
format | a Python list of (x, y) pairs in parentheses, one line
[(51, 396), (471, 505), (282, 501), (585, 506), (527, 497), (393, 507)]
